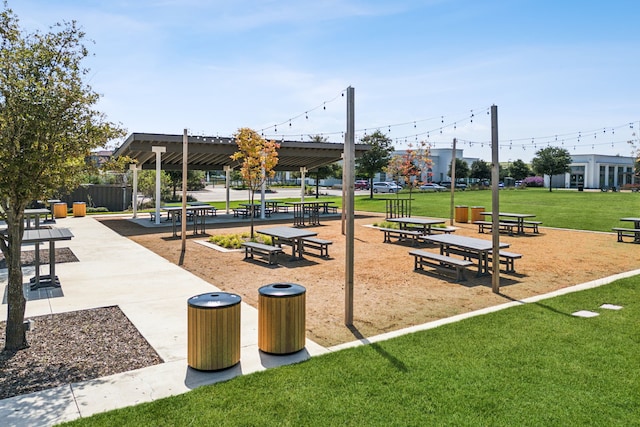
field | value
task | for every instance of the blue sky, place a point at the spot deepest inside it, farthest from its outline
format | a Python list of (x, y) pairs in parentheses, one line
[(420, 68)]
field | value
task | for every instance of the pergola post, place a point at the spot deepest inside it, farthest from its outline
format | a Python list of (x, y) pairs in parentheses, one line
[(303, 185), (227, 183), (158, 150), (134, 198)]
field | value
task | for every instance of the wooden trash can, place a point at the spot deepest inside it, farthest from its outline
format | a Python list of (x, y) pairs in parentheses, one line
[(79, 208), (475, 213), (213, 331), (60, 210), (281, 318), (462, 214)]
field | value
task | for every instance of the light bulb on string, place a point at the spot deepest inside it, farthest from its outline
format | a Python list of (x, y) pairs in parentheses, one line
[(414, 125), (441, 119), (324, 106), (306, 115), (471, 116)]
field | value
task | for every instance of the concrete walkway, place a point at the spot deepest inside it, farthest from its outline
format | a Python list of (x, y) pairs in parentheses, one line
[(152, 293)]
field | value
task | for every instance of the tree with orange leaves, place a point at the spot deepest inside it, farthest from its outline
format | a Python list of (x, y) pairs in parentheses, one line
[(258, 158), (410, 165)]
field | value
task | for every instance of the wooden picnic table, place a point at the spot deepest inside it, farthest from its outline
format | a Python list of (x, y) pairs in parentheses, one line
[(42, 235), (290, 235), (35, 214), (416, 222), (518, 218), (478, 248), (199, 217), (308, 213), (636, 221)]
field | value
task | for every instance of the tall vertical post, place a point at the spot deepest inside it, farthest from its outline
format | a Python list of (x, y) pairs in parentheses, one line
[(227, 184), (134, 197), (303, 185), (263, 186), (453, 180), (158, 150), (495, 202), (348, 178), (185, 161)]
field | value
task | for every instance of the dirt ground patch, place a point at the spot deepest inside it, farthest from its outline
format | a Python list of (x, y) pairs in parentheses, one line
[(388, 293)]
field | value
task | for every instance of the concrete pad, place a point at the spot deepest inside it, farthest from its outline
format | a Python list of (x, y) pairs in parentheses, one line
[(585, 313), (44, 408)]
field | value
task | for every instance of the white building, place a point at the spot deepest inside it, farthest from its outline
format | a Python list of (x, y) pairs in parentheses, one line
[(596, 171)]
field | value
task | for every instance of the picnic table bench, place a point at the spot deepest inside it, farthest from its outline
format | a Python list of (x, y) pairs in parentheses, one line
[(503, 226), (271, 252), (314, 243), (440, 262), (237, 212), (628, 232), (508, 259), (445, 230), (533, 225), (400, 234)]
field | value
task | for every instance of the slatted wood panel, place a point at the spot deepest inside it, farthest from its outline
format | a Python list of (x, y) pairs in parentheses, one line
[(79, 208), (60, 210), (213, 337), (281, 323)]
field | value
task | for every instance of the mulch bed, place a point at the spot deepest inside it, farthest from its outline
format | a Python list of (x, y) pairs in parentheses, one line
[(71, 347), (28, 258)]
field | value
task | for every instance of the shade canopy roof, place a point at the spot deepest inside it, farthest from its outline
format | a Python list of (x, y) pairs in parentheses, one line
[(213, 153)]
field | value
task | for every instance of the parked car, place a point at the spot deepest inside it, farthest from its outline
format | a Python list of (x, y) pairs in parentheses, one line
[(386, 187), (362, 184), (459, 185), (431, 186)]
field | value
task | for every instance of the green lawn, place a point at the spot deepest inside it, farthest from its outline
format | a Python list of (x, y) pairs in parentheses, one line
[(530, 365), (587, 210)]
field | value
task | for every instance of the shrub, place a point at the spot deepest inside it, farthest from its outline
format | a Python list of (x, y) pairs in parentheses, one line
[(234, 241), (533, 181)]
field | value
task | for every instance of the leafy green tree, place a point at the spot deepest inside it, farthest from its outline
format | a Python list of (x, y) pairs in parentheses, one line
[(551, 161), (147, 184), (479, 170), (462, 169), (259, 157), (519, 170), (48, 126), (375, 159), (194, 181)]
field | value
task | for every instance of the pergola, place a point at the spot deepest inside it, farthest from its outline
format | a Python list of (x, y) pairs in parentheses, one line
[(165, 152), (213, 153)]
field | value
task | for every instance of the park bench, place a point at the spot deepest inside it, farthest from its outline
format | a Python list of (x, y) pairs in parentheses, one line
[(237, 212), (251, 248), (503, 226), (440, 263), (533, 225), (400, 234), (445, 230), (315, 243), (628, 232), (506, 258)]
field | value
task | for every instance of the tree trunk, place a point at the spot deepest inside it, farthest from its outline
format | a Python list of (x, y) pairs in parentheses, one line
[(15, 338), (371, 188), (550, 183)]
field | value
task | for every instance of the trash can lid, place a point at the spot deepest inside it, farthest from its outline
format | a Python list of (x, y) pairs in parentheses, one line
[(281, 290), (214, 300), (461, 206)]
